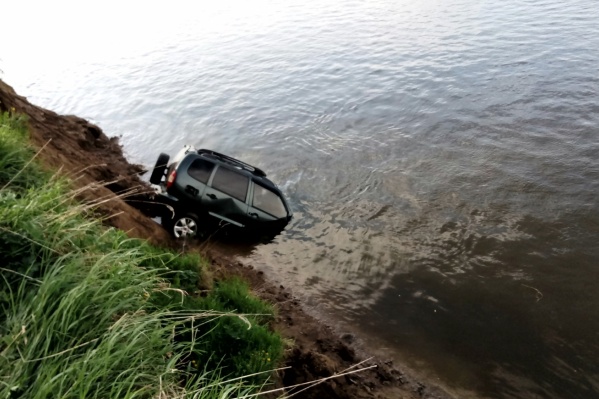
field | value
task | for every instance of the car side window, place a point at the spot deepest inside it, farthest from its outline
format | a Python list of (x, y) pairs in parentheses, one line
[(200, 169), (268, 201), (231, 183)]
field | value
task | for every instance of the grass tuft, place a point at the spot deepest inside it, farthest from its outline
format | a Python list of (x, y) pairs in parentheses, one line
[(89, 313)]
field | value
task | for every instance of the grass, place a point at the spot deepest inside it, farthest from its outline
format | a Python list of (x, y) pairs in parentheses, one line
[(89, 313)]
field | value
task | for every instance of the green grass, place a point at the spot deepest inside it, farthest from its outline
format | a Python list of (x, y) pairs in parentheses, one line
[(89, 313), (16, 155)]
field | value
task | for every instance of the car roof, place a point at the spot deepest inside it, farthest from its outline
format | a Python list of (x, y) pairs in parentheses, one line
[(241, 167), (231, 161)]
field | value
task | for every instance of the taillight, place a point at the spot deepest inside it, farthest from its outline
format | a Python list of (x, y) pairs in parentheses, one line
[(171, 179)]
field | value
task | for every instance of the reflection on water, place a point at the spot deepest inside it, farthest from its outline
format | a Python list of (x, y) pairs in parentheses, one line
[(485, 298), (441, 159)]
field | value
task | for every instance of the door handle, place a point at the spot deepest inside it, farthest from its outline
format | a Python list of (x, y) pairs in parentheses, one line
[(191, 190), (253, 214), (211, 196)]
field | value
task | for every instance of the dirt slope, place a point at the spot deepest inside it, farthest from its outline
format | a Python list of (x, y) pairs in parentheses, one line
[(82, 151)]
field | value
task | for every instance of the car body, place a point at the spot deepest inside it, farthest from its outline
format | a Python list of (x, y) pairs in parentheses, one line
[(205, 191)]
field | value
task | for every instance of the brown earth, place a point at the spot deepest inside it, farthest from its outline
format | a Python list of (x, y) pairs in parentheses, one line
[(82, 151)]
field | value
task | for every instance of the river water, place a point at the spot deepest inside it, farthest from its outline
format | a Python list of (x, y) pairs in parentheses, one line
[(441, 158)]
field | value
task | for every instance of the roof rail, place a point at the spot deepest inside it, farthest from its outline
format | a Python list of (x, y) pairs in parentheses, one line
[(246, 166)]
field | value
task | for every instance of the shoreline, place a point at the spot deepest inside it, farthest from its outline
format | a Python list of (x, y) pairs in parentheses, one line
[(82, 151)]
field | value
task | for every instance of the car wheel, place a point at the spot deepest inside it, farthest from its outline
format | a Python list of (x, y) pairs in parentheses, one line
[(159, 168), (185, 226)]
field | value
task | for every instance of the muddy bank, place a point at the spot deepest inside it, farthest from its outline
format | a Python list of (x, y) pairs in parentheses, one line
[(82, 151)]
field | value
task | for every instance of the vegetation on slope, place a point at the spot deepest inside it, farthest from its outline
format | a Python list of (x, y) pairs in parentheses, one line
[(89, 312)]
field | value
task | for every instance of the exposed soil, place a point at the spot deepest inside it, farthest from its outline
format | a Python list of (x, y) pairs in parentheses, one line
[(82, 151)]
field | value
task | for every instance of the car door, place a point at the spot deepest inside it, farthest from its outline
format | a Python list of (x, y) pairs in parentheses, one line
[(193, 184), (225, 197), (266, 207)]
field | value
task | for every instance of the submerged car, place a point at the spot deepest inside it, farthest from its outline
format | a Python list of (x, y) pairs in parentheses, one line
[(204, 191)]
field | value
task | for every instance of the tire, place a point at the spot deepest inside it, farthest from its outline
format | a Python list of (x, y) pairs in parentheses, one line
[(159, 168), (184, 226)]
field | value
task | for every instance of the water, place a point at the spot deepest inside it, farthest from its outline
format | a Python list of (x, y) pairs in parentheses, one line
[(442, 158)]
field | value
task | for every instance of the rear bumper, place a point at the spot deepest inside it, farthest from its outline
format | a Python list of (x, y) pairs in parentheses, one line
[(165, 204)]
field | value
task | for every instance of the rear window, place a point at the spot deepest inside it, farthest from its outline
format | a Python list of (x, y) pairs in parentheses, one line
[(268, 201), (231, 183), (200, 169)]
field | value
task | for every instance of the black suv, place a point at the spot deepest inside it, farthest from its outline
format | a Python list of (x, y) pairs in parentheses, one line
[(205, 190)]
